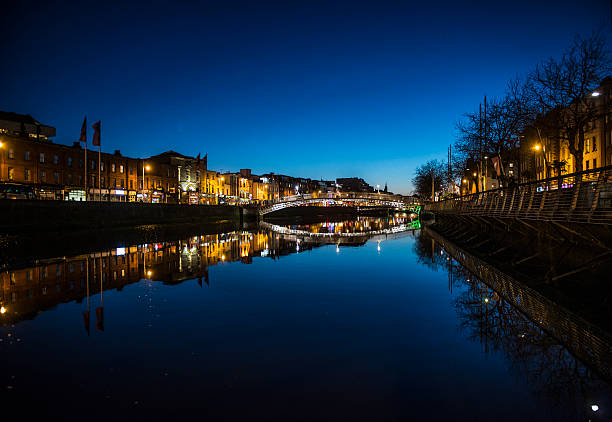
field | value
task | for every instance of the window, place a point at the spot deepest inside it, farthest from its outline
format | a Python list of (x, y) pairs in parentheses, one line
[(69, 178), (131, 184), (28, 275), (55, 159), (11, 154), (587, 165), (80, 164), (594, 145), (26, 175), (44, 273), (93, 165), (80, 180), (11, 173), (587, 145), (12, 279), (69, 161), (113, 167), (594, 163), (43, 176), (121, 168), (57, 270), (42, 157), (102, 165), (27, 155), (56, 178), (102, 180), (122, 183), (115, 183)]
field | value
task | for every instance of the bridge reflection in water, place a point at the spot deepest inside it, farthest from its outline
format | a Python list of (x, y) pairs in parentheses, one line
[(564, 357), (25, 292)]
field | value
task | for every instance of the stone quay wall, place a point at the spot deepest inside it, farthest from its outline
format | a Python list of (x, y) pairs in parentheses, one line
[(19, 216)]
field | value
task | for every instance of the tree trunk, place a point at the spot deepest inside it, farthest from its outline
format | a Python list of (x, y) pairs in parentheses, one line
[(576, 148)]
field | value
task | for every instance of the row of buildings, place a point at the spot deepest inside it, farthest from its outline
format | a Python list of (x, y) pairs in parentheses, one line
[(29, 157), (541, 156)]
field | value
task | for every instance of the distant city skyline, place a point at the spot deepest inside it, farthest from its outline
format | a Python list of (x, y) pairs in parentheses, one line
[(313, 91)]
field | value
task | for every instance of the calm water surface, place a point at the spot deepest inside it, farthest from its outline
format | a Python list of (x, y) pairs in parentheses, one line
[(247, 325)]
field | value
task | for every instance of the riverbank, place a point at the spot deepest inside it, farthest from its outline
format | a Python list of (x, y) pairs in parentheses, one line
[(19, 217)]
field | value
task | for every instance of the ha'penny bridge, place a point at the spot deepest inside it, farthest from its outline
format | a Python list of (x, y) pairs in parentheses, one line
[(359, 200)]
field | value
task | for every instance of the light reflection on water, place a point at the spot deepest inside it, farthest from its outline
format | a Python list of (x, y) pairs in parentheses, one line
[(392, 329)]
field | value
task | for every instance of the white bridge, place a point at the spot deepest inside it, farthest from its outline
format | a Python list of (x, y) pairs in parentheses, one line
[(346, 199)]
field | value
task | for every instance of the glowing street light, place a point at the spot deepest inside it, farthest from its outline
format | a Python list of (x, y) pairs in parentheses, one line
[(537, 147), (595, 94), (147, 168), (594, 407)]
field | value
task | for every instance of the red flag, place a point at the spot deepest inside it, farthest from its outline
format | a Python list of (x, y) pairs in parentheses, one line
[(83, 137), (96, 137), (86, 320), (100, 317), (495, 161)]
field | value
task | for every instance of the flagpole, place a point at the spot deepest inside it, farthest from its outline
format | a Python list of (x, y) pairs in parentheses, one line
[(86, 193), (99, 169)]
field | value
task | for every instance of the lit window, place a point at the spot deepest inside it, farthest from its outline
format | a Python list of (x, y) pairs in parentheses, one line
[(113, 167), (26, 174), (42, 157), (11, 173), (594, 145), (11, 154), (27, 155), (587, 145), (121, 169)]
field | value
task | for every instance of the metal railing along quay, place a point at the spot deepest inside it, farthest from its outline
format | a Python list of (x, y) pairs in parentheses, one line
[(583, 197)]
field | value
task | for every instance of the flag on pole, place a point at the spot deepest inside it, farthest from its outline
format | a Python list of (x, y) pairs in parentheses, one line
[(96, 136), (100, 318), (198, 158), (83, 137), (495, 161), (86, 321)]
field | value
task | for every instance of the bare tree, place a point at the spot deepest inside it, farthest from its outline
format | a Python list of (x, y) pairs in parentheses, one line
[(561, 92), (422, 179)]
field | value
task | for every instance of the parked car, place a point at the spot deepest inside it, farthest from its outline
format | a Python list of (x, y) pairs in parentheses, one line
[(16, 191)]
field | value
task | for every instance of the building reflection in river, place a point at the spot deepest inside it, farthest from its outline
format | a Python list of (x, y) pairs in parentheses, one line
[(49, 282), (549, 365), (28, 291)]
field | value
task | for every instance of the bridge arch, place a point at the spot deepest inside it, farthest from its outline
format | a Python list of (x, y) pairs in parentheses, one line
[(350, 199)]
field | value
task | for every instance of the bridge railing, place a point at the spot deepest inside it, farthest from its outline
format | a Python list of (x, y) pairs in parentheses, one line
[(347, 195), (583, 197)]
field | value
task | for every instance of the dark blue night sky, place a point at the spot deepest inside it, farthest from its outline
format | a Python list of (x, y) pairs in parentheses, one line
[(313, 91)]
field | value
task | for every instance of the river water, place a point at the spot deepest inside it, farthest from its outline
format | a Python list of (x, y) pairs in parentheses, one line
[(370, 319)]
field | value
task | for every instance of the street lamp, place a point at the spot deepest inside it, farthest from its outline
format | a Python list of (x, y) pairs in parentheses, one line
[(147, 167), (1, 162)]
